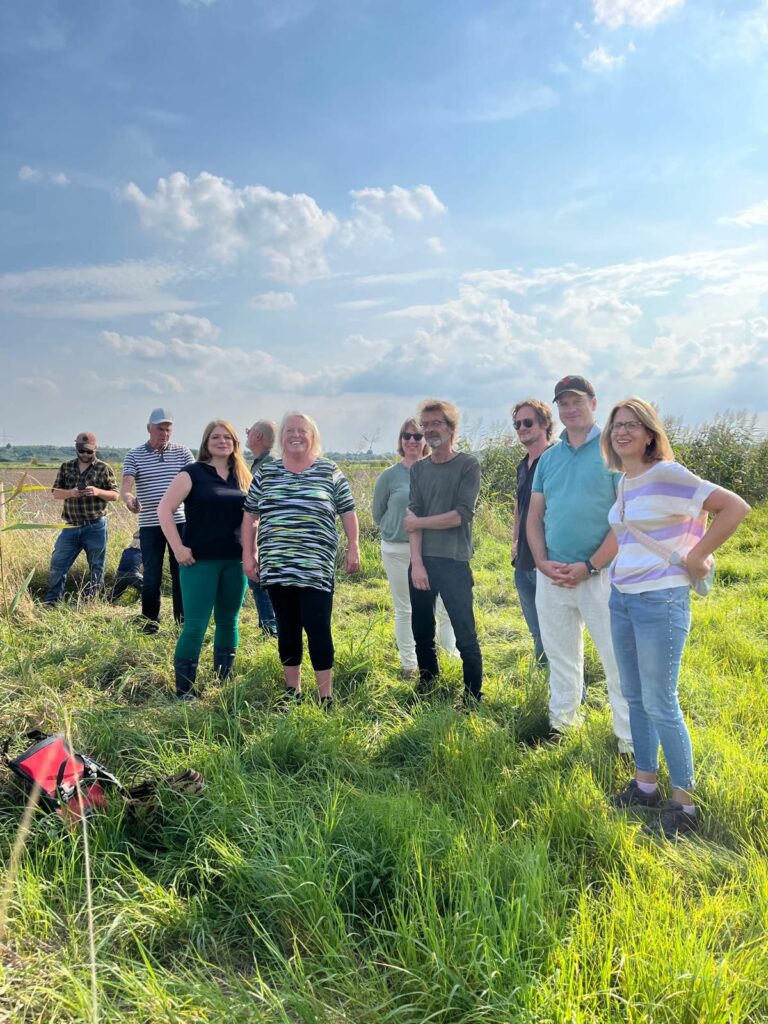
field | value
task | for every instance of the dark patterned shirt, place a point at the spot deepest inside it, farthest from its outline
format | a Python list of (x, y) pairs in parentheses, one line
[(79, 511), (297, 522)]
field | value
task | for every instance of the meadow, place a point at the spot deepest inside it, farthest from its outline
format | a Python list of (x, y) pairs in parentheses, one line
[(394, 861)]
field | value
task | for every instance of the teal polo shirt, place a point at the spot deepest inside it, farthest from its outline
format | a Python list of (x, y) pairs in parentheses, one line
[(578, 490)]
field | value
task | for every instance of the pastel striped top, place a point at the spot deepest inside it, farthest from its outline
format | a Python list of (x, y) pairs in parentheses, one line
[(297, 522), (665, 503)]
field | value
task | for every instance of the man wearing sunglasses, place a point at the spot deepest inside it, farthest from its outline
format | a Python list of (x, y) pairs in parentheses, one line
[(85, 484), (572, 545), (534, 425)]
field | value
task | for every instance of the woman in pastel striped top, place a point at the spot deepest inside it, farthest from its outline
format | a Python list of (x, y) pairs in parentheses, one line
[(661, 512), (289, 546)]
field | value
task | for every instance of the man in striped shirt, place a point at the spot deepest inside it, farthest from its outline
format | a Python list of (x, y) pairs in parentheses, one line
[(149, 469)]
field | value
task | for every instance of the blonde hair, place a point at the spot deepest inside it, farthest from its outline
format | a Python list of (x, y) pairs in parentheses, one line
[(316, 448), (236, 462), (658, 448), (410, 423), (451, 414)]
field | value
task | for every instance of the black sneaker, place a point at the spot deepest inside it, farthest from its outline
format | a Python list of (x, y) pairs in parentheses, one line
[(289, 697), (326, 703), (633, 796), (673, 822)]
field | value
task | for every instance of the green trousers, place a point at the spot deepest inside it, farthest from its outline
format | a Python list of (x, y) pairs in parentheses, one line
[(213, 586)]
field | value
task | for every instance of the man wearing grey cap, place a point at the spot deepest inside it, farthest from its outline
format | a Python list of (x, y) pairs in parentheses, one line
[(85, 484), (572, 545), (149, 469)]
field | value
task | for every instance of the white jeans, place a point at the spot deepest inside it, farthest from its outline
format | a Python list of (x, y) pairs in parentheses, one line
[(562, 615), (396, 558)]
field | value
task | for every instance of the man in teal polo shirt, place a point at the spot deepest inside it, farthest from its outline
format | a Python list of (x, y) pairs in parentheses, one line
[(572, 545)]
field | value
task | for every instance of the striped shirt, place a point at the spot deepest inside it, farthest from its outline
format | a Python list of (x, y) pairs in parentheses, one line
[(665, 503), (297, 522), (153, 470)]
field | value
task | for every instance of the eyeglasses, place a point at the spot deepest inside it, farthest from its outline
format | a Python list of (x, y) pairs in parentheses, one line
[(524, 423), (629, 425), (408, 435), (426, 424)]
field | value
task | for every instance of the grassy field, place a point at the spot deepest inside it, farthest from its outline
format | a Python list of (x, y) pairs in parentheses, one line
[(394, 860)]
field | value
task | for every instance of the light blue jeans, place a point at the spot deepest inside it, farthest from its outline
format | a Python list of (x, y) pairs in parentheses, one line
[(90, 538), (649, 632), (525, 584)]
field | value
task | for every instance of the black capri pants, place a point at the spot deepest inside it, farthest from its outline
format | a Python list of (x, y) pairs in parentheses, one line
[(306, 608)]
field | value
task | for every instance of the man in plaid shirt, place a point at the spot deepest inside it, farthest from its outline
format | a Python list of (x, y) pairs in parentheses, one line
[(85, 485)]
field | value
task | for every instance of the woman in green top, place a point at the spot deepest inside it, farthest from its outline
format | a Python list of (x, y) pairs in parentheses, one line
[(390, 502)]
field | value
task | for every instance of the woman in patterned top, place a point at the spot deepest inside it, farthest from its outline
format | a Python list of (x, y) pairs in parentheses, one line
[(660, 522), (289, 546)]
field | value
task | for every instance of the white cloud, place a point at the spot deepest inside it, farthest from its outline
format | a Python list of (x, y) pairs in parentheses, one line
[(514, 103), (39, 385), (189, 328), (750, 217), (34, 176), (435, 243), (615, 13), (273, 301), (600, 61), (405, 277), (356, 304), (410, 203), (93, 292), (288, 232)]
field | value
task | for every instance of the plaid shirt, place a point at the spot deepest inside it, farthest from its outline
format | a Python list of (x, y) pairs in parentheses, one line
[(79, 511)]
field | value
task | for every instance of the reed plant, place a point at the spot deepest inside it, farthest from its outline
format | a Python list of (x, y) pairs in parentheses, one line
[(394, 861)]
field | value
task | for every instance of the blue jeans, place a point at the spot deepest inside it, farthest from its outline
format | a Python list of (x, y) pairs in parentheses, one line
[(153, 545), (649, 631), (264, 607), (453, 581), (90, 538), (525, 584)]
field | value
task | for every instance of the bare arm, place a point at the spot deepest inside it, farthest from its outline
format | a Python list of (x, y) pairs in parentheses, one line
[(177, 491), (728, 510), (534, 531), (418, 572), (352, 531), (126, 493), (443, 521), (249, 535)]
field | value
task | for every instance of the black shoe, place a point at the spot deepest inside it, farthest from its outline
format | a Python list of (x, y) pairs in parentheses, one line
[(633, 796), (270, 629), (186, 673), (470, 701), (223, 660), (150, 627), (290, 696), (326, 703), (673, 822)]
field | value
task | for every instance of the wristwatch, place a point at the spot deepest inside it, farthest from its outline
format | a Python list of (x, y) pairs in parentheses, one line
[(592, 570)]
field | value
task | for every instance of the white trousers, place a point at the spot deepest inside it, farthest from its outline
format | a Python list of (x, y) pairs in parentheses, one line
[(397, 558), (562, 615)]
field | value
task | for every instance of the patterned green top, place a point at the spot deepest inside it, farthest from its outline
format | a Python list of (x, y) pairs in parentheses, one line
[(297, 522), (83, 510)]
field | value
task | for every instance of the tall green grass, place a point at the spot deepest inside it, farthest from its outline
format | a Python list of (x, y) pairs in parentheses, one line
[(395, 860)]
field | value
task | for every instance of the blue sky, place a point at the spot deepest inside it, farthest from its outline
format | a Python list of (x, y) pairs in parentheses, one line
[(239, 207)]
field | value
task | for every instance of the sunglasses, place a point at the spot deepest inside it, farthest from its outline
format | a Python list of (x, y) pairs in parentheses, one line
[(410, 436), (524, 423), (81, 448)]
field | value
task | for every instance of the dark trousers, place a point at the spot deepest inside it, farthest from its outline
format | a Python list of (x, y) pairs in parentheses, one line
[(453, 582), (308, 609), (153, 545), (264, 607)]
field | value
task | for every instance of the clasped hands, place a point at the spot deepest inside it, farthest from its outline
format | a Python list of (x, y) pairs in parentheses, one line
[(565, 574)]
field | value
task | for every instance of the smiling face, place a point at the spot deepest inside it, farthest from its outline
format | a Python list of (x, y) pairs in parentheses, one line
[(438, 433), (220, 441), (412, 446), (529, 430), (576, 411), (297, 437), (629, 437)]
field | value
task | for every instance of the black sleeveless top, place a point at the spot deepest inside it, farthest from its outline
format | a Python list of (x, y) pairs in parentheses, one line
[(214, 510)]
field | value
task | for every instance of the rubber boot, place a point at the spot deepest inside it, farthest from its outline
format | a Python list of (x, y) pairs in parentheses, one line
[(186, 673), (223, 659)]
